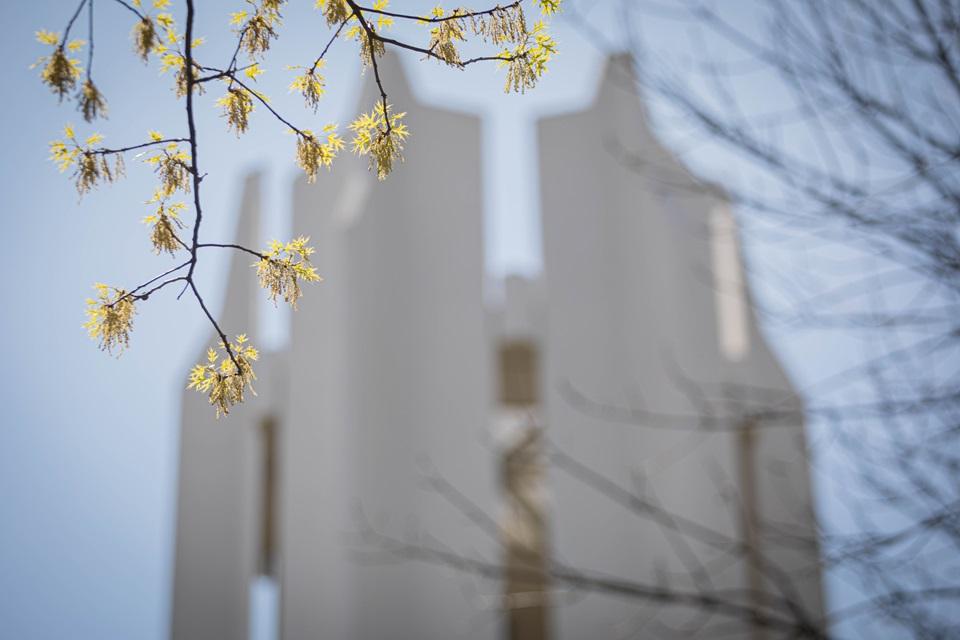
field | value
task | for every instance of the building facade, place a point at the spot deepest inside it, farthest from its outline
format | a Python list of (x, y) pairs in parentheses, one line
[(428, 459)]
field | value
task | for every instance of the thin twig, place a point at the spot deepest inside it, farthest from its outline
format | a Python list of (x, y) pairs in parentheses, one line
[(76, 14), (105, 151), (129, 7), (232, 246)]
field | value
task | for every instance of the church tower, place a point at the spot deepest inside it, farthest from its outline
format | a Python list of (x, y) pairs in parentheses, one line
[(386, 381), (388, 384), (227, 477), (656, 370)]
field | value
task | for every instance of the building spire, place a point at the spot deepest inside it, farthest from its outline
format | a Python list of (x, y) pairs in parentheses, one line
[(395, 80), (239, 305)]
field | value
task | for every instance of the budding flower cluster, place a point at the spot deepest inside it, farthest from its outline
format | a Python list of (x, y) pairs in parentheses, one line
[(226, 378), (283, 266), (380, 135), (110, 318)]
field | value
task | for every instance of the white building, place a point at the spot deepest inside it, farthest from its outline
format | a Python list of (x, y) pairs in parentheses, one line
[(399, 373)]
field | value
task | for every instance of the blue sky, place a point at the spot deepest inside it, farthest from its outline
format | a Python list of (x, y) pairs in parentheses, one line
[(88, 442)]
